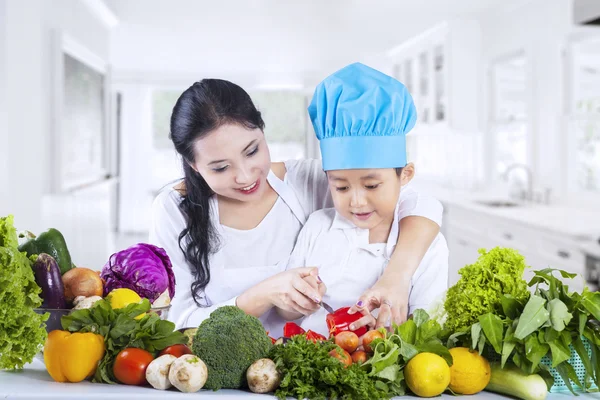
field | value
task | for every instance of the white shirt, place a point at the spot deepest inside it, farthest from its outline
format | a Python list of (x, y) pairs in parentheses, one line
[(246, 258), (349, 264)]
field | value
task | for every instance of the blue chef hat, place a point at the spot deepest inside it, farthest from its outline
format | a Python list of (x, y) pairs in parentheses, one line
[(361, 117)]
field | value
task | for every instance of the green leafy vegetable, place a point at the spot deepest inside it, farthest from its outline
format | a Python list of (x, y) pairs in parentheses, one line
[(22, 332), (481, 286), (534, 316), (493, 329), (308, 371), (559, 314), (121, 330)]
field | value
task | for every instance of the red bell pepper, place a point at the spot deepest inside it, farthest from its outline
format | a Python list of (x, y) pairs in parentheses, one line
[(314, 336), (292, 329), (340, 321)]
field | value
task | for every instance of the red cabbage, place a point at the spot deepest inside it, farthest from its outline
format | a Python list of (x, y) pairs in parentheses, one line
[(144, 268)]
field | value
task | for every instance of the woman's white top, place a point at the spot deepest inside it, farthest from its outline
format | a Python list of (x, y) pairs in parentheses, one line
[(247, 257)]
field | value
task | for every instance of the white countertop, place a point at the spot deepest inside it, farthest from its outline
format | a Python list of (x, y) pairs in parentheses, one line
[(578, 224), (33, 382)]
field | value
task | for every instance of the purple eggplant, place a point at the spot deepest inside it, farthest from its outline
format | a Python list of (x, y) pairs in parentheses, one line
[(47, 276)]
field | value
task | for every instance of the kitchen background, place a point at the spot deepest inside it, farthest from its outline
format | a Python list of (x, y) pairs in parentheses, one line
[(508, 95)]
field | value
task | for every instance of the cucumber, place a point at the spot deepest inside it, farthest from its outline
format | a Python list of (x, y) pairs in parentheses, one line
[(48, 277)]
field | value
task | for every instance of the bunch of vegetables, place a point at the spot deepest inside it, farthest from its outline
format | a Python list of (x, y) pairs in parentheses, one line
[(63, 285), (553, 323), (128, 339), (22, 332), (307, 370), (312, 367), (143, 268)]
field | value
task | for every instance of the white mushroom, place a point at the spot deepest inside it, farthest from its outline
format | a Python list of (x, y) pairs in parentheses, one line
[(163, 300), (157, 373), (263, 376), (188, 373), (81, 302)]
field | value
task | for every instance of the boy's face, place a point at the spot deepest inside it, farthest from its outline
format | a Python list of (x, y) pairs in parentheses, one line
[(367, 197)]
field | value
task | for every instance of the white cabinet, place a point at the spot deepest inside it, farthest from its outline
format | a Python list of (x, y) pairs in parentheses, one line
[(440, 68), (467, 231)]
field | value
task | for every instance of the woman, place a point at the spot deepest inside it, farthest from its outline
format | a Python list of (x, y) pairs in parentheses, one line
[(231, 224)]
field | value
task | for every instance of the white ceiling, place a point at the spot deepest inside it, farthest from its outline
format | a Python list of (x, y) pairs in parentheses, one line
[(281, 40)]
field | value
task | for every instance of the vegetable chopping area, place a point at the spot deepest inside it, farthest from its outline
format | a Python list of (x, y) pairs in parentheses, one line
[(68, 331)]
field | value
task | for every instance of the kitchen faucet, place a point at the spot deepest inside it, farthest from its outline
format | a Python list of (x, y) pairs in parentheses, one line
[(528, 195)]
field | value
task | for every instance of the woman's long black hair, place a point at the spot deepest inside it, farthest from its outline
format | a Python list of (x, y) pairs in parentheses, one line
[(202, 108)]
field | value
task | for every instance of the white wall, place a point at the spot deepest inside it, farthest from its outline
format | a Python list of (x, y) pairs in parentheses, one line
[(3, 127), (26, 108), (28, 28), (136, 160), (539, 29)]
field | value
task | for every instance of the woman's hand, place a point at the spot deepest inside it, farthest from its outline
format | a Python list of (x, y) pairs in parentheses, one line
[(390, 296), (298, 290)]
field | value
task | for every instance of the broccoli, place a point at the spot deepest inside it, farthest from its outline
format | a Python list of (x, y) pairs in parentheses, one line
[(229, 342)]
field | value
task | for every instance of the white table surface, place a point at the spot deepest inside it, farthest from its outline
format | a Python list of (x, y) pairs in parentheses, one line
[(33, 382)]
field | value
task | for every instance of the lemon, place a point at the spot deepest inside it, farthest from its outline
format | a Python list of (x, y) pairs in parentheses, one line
[(427, 375), (123, 297), (470, 373)]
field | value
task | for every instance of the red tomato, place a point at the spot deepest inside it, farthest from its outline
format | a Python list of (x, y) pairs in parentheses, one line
[(359, 357), (344, 357), (347, 340), (176, 350), (368, 338), (130, 366)]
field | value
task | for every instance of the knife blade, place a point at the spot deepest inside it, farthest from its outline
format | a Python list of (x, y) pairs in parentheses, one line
[(327, 307)]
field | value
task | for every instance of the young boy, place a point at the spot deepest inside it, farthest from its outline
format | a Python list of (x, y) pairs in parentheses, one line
[(361, 117)]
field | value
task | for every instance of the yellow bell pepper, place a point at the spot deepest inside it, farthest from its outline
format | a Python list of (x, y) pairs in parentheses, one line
[(72, 357)]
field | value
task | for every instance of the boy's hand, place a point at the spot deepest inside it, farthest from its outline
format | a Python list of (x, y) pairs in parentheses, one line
[(390, 296)]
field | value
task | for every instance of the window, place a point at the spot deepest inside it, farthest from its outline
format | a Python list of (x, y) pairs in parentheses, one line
[(163, 102), (583, 126), (509, 116), (440, 96), (285, 116), (284, 113)]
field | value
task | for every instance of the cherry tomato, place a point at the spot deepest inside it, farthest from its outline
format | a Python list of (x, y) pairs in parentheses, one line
[(359, 357), (368, 338), (344, 357), (347, 340), (130, 366), (176, 350)]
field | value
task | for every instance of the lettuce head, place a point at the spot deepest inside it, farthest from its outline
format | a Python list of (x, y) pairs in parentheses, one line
[(480, 288)]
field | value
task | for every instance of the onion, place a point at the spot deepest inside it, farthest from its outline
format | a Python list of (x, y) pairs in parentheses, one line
[(81, 282)]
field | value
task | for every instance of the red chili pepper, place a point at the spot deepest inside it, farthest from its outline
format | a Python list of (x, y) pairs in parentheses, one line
[(340, 321), (314, 336), (292, 329)]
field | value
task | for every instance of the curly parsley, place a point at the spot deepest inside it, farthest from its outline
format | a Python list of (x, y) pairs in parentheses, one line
[(308, 371)]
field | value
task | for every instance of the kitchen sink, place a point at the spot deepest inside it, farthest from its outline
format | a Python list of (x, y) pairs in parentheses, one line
[(498, 203)]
